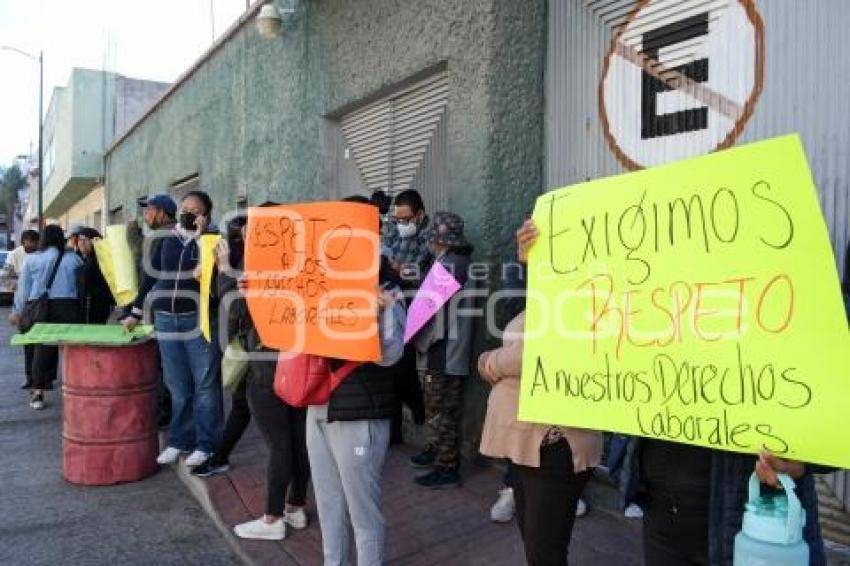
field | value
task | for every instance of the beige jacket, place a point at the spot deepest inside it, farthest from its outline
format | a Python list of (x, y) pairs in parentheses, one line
[(503, 435)]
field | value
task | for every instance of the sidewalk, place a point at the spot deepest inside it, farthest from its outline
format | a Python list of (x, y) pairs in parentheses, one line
[(425, 527), (46, 521)]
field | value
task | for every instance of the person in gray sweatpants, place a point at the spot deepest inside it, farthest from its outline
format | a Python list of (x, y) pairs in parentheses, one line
[(347, 441)]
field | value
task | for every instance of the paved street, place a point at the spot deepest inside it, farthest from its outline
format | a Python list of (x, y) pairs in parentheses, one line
[(46, 521)]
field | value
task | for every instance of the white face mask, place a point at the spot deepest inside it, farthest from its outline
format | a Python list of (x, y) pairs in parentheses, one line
[(407, 230)]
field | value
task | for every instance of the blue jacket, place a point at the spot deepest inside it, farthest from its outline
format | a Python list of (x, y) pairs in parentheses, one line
[(170, 274), (36, 272)]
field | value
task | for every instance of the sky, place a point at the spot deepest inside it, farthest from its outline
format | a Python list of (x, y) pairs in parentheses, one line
[(152, 39)]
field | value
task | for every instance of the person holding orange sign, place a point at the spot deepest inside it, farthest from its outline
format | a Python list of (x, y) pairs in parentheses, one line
[(348, 438)]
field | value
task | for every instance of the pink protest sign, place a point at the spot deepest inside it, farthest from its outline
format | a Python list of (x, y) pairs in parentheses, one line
[(437, 288)]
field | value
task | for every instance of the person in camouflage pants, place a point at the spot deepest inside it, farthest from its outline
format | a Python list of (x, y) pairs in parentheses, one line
[(443, 354), (443, 406)]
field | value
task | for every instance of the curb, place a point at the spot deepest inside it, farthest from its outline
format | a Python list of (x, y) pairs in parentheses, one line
[(198, 489)]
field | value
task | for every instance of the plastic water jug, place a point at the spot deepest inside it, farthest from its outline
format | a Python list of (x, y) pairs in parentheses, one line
[(772, 532)]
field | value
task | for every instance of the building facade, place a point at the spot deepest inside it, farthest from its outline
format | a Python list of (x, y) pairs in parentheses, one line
[(484, 104), (438, 95), (82, 119)]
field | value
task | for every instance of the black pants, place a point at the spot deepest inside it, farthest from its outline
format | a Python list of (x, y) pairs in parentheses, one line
[(408, 391), (508, 478), (546, 499), (284, 430), (675, 520), (45, 361), (674, 538), (29, 353), (237, 421)]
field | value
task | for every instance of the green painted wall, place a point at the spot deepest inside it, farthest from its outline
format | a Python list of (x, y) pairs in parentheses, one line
[(250, 119)]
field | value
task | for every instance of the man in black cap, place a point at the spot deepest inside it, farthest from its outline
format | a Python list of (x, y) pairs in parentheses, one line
[(160, 214)]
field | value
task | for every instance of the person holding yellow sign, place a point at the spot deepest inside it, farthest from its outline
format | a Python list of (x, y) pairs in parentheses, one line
[(693, 496), (190, 363), (550, 465)]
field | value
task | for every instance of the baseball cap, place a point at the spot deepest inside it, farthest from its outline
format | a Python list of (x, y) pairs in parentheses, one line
[(75, 229), (162, 201)]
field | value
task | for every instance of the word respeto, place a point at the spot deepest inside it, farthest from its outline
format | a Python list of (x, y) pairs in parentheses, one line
[(657, 317)]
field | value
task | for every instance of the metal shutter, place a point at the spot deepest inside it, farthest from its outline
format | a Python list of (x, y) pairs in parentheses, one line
[(367, 132), (399, 142)]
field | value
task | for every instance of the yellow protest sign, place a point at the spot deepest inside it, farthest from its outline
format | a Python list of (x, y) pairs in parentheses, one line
[(696, 302), (208, 242), (123, 265), (103, 252)]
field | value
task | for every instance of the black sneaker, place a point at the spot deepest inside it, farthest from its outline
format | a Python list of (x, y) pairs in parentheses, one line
[(209, 468), (440, 478), (26, 385), (424, 459)]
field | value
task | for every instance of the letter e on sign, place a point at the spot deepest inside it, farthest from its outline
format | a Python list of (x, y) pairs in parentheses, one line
[(681, 79)]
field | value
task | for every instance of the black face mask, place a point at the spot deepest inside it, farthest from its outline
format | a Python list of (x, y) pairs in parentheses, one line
[(187, 221)]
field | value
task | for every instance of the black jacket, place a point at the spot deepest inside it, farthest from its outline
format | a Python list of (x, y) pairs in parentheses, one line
[(368, 393), (95, 297)]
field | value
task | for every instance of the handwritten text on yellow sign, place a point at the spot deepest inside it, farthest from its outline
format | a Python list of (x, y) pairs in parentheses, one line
[(696, 302)]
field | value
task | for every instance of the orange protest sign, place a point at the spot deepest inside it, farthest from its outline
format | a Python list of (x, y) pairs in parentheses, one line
[(312, 272)]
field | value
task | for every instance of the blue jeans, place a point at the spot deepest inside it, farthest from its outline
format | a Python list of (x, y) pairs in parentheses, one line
[(190, 367)]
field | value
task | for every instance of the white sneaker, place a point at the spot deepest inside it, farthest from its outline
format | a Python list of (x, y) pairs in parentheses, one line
[(196, 458), (296, 519), (581, 508), (37, 401), (168, 456), (259, 529), (633, 511), (503, 509)]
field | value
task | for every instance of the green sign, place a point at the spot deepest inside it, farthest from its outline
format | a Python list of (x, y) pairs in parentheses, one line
[(82, 334)]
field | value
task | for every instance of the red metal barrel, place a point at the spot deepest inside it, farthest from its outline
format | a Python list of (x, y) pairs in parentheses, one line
[(109, 403)]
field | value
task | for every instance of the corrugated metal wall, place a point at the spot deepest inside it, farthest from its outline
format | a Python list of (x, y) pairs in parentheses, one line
[(840, 485), (806, 89)]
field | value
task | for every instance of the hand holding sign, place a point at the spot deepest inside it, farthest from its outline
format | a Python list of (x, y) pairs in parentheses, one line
[(438, 287)]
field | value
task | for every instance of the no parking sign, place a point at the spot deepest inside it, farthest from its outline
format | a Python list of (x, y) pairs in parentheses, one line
[(681, 79)]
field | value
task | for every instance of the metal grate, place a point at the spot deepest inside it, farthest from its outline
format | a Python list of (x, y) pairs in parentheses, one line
[(396, 141)]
